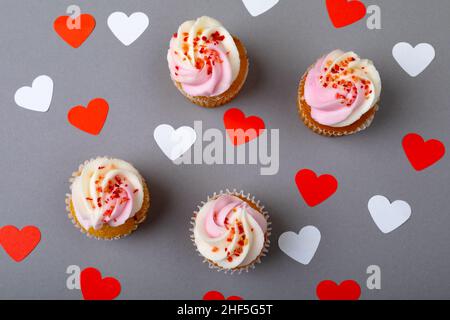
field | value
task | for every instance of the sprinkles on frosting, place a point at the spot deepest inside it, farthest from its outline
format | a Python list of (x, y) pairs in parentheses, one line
[(333, 79), (201, 47)]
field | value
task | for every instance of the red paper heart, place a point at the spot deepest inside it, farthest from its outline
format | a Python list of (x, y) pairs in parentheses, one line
[(241, 129), (347, 290), (18, 244), (75, 37), (93, 287), (215, 295), (90, 119), (422, 154), (313, 189), (345, 12)]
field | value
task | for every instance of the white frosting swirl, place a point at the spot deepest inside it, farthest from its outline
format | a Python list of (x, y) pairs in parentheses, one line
[(229, 232), (203, 57), (341, 88), (108, 191)]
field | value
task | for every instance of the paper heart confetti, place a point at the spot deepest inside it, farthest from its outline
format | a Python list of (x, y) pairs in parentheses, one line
[(386, 215), (242, 129), (75, 37), (174, 143), (258, 7), (414, 60), (313, 189), (94, 287), (128, 28), (420, 153), (215, 295), (345, 12), (18, 244), (38, 97), (347, 290), (302, 246), (90, 119)]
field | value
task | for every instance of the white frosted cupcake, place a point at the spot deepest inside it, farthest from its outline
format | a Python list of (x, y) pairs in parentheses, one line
[(108, 199), (207, 64), (231, 231)]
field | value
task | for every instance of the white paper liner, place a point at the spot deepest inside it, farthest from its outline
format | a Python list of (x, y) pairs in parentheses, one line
[(260, 208)]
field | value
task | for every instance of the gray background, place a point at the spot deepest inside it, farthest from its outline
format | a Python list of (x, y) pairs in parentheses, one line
[(39, 151)]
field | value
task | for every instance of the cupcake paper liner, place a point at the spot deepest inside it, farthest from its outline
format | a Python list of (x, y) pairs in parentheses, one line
[(326, 130), (250, 199), (232, 92), (73, 219)]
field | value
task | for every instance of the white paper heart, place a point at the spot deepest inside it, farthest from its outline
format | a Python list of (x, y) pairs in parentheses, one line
[(258, 7), (38, 97), (174, 143), (302, 246), (128, 29), (386, 215), (413, 60)]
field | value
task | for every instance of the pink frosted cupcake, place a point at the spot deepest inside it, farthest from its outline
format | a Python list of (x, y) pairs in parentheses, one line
[(339, 94), (207, 64), (109, 198), (231, 231)]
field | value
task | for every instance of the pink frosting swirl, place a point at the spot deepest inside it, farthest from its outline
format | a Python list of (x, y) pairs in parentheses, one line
[(229, 232), (340, 88), (211, 76), (107, 191), (203, 58), (218, 221), (118, 202)]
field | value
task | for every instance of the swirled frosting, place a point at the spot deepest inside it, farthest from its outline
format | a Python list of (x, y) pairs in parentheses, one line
[(340, 88), (203, 57), (229, 232), (108, 191)]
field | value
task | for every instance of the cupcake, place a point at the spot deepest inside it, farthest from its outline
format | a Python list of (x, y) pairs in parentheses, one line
[(231, 231), (339, 94), (207, 64), (109, 198)]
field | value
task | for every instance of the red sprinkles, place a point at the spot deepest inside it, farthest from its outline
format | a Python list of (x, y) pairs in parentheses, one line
[(334, 80), (207, 57)]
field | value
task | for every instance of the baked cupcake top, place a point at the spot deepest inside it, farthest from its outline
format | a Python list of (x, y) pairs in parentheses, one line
[(229, 232), (341, 87), (203, 57), (107, 191)]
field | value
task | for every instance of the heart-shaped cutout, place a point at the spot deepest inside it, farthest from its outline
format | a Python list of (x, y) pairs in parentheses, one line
[(128, 28), (94, 287), (75, 37), (345, 12), (258, 7), (414, 60), (90, 119), (242, 129), (38, 97), (216, 295), (386, 215), (302, 246), (420, 153), (18, 244), (174, 143), (347, 290), (314, 189)]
